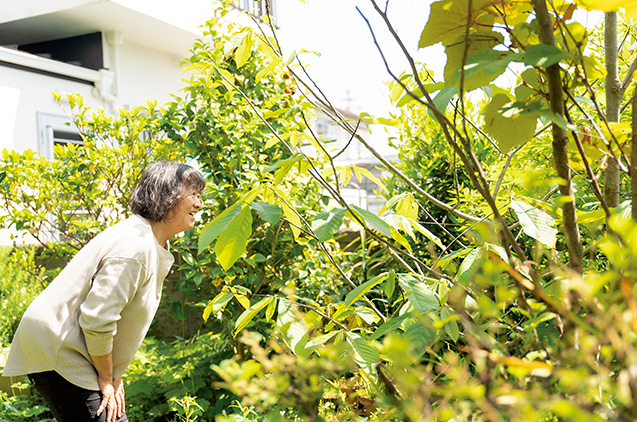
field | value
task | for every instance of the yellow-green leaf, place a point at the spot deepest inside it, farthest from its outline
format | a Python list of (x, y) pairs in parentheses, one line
[(249, 314), (508, 131), (407, 207), (244, 51), (271, 308), (289, 213), (447, 21), (243, 300), (231, 243)]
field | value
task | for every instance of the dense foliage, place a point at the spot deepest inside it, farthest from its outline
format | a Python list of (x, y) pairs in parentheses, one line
[(497, 283)]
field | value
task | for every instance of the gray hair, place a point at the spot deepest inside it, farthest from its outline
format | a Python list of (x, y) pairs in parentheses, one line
[(160, 188)]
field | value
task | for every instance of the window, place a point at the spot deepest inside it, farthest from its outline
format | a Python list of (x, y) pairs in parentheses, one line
[(258, 8), (55, 130), (84, 50)]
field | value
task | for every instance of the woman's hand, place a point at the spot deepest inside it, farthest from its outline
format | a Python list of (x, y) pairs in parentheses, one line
[(112, 398), (119, 396)]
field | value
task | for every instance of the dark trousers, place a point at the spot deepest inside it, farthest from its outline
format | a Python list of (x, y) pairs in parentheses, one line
[(68, 402)]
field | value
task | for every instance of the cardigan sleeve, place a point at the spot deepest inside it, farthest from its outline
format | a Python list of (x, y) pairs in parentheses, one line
[(113, 287)]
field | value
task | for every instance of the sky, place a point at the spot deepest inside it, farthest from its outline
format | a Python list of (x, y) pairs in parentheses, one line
[(346, 63), (349, 69)]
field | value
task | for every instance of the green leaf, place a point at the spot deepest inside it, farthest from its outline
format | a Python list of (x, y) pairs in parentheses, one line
[(365, 355), (544, 55), (359, 291), (557, 119), (232, 242), (447, 21), (295, 332), (321, 340), (217, 304), (268, 69), (271, 308), (268, 212), (326, 224), (487, 62), (470, 266), (218, 225), (508, 130), (536, 223), (393, 201), (451, 326), (244, 51), (421, 337), (249, 314), (233, 42), (407, 207), (391, 325), (429, 235), (373, 220), (391, 284), (442, 98), (418, 293)]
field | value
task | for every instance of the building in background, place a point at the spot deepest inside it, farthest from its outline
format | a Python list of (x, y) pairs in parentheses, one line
[(347, 151), (120, 53), (114, 52)]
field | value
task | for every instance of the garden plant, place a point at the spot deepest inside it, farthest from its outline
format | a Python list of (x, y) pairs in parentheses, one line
[(497, 283)]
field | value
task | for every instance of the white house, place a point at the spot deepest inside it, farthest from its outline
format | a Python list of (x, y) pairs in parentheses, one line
[(114, 52), (117, 53)]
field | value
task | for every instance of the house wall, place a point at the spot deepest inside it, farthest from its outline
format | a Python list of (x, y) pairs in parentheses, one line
[(22, 95), (147, 73), (141, 73)]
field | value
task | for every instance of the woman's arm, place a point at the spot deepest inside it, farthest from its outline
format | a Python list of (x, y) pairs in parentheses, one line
[(112, 390)]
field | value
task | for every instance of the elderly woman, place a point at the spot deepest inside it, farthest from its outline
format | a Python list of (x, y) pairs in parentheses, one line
[(80, 334)]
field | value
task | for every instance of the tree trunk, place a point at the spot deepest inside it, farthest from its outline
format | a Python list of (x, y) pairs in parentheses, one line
[(560, 140), (633, 159), (613, 100)]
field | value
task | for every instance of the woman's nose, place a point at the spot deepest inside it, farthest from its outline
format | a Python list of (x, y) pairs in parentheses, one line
[(197, 202)]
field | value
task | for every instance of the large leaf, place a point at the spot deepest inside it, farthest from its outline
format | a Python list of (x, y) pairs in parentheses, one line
[(268, 212), (447, 21), (231, 243), (611, 6), (544, 55), (373, 220), (421, 337), (290, 214), (218, 225), (512, 129), (359, 291), (484, 39), (421, 297), (536, 223), (295, 332), (249, 314), (489, 63), (429, 235), (451, 326), (326, 224), (364, 353)]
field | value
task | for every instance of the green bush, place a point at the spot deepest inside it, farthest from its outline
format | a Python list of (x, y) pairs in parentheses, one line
[(20, 283), (24, 408), (167, 378)]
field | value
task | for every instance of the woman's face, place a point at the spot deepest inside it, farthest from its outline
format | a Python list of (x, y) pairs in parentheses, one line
[(183, 216)]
